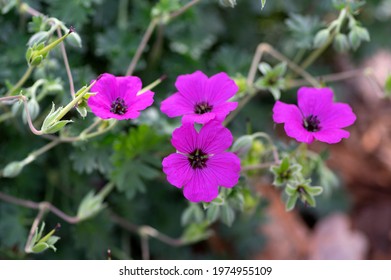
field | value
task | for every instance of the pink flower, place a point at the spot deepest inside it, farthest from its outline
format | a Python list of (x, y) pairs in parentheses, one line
[(116, 97), (315, 117), (201, 99), (201, 164)]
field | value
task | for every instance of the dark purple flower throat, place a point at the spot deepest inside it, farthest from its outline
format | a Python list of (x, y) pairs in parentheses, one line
[(198, 159), (118, 106), (202, 108), (311, 123)]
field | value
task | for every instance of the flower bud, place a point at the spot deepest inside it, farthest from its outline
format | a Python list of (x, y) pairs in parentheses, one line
[(228, 3), (13, 169), (242, 145)]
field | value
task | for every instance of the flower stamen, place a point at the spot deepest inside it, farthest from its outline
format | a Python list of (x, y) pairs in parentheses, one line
[(119, 107), (198, 159), (311, 123), (202, 108)]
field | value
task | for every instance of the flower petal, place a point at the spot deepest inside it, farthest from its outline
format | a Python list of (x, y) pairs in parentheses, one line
[(224, 168), (314, 101), (127, 87), (338, 116), (192, 86), (222, 110), (184, 138), (140, 102), (105, 88), (296, 130), (213, 138), (331, 136), (177, 105), (177, 169), (201, 187), (219, 89), (291, 116), (198, 118), (283, 112)]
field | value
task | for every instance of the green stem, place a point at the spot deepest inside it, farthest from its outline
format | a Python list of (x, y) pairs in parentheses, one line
[(152, 85), (141, 47), (316, 53), (21, 82)]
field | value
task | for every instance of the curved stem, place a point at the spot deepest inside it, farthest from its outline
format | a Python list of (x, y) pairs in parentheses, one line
[(150, 231), (21, 82), (66, 62), (264, 47), (34, 205)]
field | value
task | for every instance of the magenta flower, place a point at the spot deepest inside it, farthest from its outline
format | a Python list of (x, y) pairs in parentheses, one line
[(315, 117), (116, 97), (201, 99), (201, 164)]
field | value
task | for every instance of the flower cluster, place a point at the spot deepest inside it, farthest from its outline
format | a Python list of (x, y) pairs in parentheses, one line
[(201, 164)]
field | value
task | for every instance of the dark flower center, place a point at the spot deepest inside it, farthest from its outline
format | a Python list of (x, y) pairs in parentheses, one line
[(198, 159), (311, 123), (118, 106), (202, 108)]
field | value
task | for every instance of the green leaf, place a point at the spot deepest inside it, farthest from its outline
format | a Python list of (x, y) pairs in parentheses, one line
[(192, 214), (213, 213), (40, 247), (314, 190), (309, 199), (264, 68), (290, 204), (227, 215), (196, 232)]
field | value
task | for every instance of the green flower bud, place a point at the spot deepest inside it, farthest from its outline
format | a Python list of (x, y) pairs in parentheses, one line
[(242, 145), (228, 3), (33, 108), (13, 169)]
